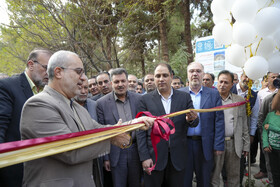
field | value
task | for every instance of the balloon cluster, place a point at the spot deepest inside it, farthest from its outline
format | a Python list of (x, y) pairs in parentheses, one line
[(251, 29)]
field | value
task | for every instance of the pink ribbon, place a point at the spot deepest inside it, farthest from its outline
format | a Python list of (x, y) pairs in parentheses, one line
[(156, 132)]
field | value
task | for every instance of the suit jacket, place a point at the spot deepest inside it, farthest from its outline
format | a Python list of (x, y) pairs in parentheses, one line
[(14, 91), (240, 127), (91, 108), (212, 123), (107, 113), (177, 144), (48, 114)]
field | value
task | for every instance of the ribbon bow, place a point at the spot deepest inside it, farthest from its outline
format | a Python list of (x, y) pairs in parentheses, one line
[(156, 133)]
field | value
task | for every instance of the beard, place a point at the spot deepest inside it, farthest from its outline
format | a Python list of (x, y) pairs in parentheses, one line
[(38, 81)]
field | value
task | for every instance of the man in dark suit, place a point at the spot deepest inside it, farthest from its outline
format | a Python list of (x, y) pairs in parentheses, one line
[(14, 91), (171, 163), (208, 137), (120, 104)]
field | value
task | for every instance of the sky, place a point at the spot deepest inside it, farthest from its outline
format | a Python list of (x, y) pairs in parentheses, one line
[(3, 12)]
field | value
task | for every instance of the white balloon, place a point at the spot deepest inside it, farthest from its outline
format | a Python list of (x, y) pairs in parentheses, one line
[(244, 33), (222, 33), (227, 4), (256, 67), (217, 9), (276, 37), (235, 55), (266, 47), (218, 19), (263, 3), (267, 21), (274, 63), (276, 4), (244, 10)]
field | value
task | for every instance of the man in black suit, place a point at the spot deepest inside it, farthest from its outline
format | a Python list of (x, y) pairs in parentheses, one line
[(171, 163), (14, 91), (121, 104)]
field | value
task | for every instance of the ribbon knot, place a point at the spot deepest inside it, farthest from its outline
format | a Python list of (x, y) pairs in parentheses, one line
[(160, 130)]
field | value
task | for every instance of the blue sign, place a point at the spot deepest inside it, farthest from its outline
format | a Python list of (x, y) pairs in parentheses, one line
[(207, 46)]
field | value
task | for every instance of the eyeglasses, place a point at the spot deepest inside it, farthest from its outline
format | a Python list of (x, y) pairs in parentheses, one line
[(79, 71), (44, 66)]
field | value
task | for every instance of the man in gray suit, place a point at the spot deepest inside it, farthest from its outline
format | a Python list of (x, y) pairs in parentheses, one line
[(237, 140), (52, 113), (120, 104)]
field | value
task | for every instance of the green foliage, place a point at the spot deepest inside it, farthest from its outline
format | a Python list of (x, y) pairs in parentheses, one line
[(179, 64), (106, 34)]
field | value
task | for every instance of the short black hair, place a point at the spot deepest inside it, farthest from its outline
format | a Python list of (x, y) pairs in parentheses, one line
[(166, 65), (226, 72), (118, 71), (212, 76), (102, 73)]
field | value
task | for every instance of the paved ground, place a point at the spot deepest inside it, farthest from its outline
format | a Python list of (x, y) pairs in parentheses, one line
[(254, 169)]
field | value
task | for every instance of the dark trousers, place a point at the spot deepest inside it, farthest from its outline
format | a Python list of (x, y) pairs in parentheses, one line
[(274, 159), (169, 177), (198, 164), (11, 176), (262, 158), (128, 170), (254, 147)]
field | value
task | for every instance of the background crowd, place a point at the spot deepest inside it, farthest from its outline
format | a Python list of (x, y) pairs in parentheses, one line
[(54, 96)]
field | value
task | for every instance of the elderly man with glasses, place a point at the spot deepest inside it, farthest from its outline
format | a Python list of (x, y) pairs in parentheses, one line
[(14, 91), (53, 112)]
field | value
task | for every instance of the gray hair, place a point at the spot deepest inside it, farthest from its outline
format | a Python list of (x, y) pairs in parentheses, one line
[(196, 63), (59, 59), (118, 71)]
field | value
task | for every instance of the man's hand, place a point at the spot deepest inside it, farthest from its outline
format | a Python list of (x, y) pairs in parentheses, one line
[(121, 140), (266, 126), (218, 152), (190, 116), (107, 165), (268, 149), (149, 122), (147, 164)]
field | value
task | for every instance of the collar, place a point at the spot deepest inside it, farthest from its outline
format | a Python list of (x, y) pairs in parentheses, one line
[(201, 89), (32, 85), (116, 97), (169, 97), (229, 97)]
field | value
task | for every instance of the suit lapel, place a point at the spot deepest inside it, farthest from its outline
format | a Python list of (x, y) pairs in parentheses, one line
[(25, 86), (113, 107), (158, 103), (235, 113), (204, 97)]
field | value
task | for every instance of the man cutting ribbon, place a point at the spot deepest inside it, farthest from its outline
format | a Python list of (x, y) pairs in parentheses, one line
[(171, 161)]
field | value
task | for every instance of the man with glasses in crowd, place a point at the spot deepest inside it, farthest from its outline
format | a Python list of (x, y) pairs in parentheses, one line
[(14, 91), (104, 85)]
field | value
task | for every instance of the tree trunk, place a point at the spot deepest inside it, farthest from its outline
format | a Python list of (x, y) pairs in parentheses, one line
[(188, 38), (163, 39)]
